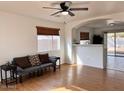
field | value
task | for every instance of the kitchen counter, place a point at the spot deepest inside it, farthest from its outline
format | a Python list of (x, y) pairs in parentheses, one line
[(89, 54)]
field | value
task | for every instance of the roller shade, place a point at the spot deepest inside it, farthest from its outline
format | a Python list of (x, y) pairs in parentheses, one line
[(47, 31), (84, 35)]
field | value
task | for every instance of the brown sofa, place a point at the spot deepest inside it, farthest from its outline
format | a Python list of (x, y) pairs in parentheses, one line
[(24, 66)]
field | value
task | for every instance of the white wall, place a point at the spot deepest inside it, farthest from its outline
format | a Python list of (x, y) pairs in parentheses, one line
[(74, 25), (68, 44), (18, 36)]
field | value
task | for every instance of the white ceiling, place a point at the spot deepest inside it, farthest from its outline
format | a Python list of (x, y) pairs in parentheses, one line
[(34, 9), (102, 24)]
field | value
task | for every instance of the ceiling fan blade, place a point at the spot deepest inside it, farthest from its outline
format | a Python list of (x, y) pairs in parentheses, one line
[(56, 13), (51, 8), (70, 13), (78, 9)]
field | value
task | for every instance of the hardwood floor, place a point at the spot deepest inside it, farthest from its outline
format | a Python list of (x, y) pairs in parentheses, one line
[(73, 77)]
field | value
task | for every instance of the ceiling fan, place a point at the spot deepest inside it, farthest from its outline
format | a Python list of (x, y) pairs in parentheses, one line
[(65, 9)]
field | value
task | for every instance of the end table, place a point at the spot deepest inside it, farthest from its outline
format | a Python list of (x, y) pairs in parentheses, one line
[(13, 74)]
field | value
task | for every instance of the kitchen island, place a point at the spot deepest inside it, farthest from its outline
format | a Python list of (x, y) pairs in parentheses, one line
[(89, 54)]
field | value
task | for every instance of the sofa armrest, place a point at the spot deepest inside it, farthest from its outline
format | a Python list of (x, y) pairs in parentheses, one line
[(53, 60), (19, 68)]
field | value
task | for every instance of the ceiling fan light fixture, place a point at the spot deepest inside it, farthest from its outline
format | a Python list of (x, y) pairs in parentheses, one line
[(64, 9), (64, 13)]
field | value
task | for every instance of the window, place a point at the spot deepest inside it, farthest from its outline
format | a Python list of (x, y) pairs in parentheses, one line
[(48, 42), (84, 38), (48, 39)]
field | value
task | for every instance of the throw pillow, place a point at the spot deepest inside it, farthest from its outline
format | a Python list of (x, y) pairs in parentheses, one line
[(44, 58), (22, 62), (34, 60)]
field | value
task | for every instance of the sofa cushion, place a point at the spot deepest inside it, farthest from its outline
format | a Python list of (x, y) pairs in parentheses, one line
[(34, 60), (46, 64), (32, 69), (22, 62), (44, 58)]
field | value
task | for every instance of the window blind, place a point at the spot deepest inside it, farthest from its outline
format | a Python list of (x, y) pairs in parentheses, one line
[(84, 35), (47, 31)]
